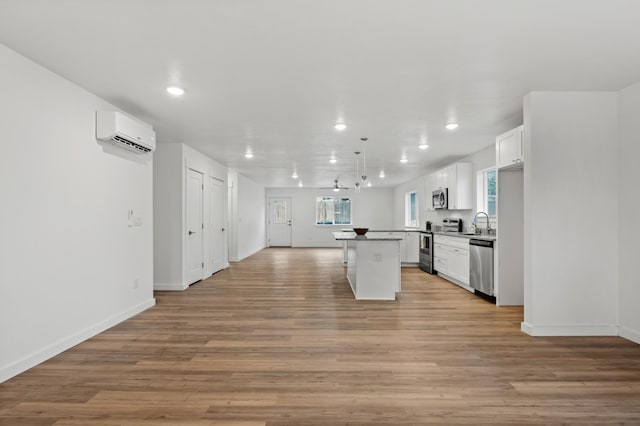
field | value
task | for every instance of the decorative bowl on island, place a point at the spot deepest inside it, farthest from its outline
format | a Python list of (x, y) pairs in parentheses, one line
[(360, 231)]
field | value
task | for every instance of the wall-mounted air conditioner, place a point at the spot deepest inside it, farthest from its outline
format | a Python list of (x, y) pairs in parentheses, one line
[(125, 132)]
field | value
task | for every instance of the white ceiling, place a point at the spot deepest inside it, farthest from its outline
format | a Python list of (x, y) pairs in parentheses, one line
[(275, 76)]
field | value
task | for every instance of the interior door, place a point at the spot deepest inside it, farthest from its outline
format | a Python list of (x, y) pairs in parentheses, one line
[(280, 222), (216, 212), (195, 226)]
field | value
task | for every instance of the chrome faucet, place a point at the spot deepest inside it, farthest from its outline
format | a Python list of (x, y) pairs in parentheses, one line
[(488, 224)]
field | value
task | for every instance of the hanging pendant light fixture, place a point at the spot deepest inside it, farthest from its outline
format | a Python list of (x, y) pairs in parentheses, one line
[(364, 159), (357, 184)]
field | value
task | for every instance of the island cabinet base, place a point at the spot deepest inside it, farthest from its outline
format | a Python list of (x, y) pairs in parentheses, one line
[(373, 269)]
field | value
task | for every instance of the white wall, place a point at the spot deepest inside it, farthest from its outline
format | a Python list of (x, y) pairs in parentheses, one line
[(70, 266), (247, 213), (570, 200), (372, 208), (170, 164), (629, 211)]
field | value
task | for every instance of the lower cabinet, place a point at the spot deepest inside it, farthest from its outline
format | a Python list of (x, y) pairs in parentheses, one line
[(451, 258)]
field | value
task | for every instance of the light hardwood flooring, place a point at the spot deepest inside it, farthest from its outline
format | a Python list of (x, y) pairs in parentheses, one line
[(278, 339)]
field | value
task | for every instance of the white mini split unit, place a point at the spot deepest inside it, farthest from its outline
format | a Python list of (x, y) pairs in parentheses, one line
[(125, 132)]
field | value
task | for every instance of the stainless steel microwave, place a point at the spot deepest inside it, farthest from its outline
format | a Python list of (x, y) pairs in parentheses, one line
[(439, 198)]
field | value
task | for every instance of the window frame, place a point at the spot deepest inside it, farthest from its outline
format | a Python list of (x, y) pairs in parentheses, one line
[(482, 197), (334, 198), (411, 210)]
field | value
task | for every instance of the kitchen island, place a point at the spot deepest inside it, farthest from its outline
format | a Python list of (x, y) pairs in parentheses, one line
[(373, 265)]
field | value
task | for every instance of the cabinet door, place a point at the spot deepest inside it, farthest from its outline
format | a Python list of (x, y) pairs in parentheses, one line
[(413, 247), (440, 258), (507, 148), (520, 144), (459, 264), (452, 185)]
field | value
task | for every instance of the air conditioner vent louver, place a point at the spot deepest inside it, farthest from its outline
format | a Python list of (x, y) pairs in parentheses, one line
[(130, 144)]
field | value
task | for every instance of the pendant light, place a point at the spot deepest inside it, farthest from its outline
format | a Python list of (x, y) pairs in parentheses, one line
[(364, 159), (357, 184)]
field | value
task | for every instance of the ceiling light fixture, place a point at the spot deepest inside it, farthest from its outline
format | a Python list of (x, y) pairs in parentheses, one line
[(340, 126), (300, 184), (381, 175), (404, 160), (364, 159), (423, 146), (175, 90), (452, 126), (333, 160), (294, 175), (369, 184), (249, 155)]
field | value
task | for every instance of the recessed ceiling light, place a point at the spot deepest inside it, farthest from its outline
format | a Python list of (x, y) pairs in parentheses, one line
[(249, 155), (333, 161), (369, 183), (294, 175), (336, 189), (381, 175), (175, 90), (340, 126), (423, 146), (403, 160), (452, 126), (300, 184)]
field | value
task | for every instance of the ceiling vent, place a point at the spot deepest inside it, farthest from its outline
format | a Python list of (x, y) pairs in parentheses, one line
[(125, 132)]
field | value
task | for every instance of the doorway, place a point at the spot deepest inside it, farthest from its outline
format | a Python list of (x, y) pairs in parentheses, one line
[(216, 219), (195, 226), (279, 223)]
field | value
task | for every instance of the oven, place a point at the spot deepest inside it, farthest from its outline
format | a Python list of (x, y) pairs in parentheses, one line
[(439, 199), (426, 252)]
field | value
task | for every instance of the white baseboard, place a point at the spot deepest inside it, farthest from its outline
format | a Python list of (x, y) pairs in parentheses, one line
[(569, 330), (630, 334), (49, 351), (169, 287)]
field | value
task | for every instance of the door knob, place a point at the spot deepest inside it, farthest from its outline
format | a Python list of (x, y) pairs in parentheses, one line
[(191, 232), (222, 229)]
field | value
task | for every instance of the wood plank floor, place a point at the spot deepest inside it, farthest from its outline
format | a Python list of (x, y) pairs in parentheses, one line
[(278, 339)]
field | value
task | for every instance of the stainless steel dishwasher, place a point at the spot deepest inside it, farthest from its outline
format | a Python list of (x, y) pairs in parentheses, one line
[(481, 266)]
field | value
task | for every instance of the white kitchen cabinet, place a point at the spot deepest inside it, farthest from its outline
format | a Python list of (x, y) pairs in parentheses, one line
[(458, 179), (460, 184), (510, 148), (451, 258), (412, 248)]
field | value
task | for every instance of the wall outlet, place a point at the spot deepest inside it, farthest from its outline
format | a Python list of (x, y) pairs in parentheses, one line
[(377, 257)]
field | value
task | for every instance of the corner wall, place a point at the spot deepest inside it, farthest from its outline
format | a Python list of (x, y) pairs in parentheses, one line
[(571, 244), (247, 216), (70, 266), (629, 211)]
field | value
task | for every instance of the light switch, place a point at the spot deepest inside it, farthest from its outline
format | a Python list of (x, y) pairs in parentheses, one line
[(377, 257), (137, 221)]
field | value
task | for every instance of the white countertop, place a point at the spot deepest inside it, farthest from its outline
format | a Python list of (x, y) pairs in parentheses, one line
[(352, 236)]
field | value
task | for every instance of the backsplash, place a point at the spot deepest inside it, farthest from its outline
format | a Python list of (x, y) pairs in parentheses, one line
[(436, 217)]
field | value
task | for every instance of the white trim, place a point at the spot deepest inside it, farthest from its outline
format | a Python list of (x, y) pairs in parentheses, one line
[(569, 330), (169, 287), (630, 334), (39, 356)]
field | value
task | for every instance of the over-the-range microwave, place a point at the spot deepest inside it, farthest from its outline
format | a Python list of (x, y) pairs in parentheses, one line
[(439, 198)]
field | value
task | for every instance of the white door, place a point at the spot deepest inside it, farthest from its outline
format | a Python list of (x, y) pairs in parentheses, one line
[(216, 212), (279, 222), (195, 226)]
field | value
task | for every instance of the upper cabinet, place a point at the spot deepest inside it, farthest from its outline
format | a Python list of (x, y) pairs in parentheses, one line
[(510, 148), (457, 178)]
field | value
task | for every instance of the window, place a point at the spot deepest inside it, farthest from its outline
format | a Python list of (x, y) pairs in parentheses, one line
[(486, 183), (333, 211), (411, 209)]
